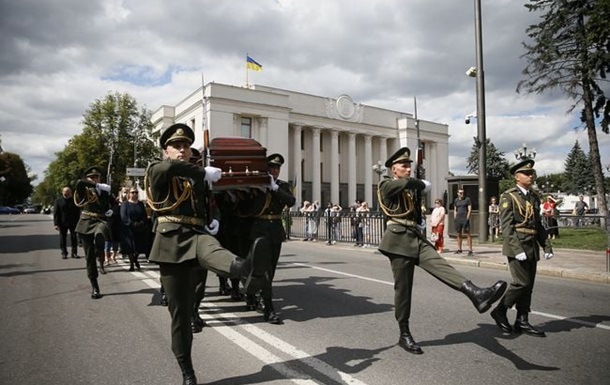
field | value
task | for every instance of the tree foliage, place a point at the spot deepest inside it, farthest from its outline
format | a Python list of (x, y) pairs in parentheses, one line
[(497, 166), (112, 128), (578, 172), (15, 184), (570, 51)]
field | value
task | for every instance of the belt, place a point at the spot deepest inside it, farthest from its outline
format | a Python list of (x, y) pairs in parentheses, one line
[(404, 222), (269, 217), (183, 219), (526, 231), (92, 214)]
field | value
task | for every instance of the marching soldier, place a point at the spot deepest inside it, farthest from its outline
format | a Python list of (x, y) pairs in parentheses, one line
[(176, 191), (95, 201), (406, 248), (523, 234)]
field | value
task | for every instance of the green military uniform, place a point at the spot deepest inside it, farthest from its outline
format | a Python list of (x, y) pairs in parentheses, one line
[(523, 232), (93, 225)]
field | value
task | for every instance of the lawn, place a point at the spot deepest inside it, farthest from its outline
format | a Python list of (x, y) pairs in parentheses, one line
[(582, 238)]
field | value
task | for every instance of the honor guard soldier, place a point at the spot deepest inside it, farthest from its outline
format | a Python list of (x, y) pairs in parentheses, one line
[(523, 234), (95, 201), (406, 248), (184, 237)]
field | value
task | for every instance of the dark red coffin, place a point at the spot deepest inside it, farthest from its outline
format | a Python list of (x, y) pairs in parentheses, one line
[(243, 162)]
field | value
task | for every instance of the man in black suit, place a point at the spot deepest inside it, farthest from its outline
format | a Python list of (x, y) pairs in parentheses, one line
[(65, 218)]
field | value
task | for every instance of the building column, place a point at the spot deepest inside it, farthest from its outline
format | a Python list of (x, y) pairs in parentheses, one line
[(383, 149), (352, 180), (368, 165), (296, 165), (334, 166), (316, 181), (263, 123)]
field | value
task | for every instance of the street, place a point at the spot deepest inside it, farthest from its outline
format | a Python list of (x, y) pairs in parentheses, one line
[(339, 326)]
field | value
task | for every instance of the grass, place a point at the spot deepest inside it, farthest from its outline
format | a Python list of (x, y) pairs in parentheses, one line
[(582, 238)]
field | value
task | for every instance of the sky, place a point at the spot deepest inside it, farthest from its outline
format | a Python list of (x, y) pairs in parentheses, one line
[(59, 56)]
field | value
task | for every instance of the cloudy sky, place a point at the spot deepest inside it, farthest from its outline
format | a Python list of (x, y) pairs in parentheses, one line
[(58, 56)]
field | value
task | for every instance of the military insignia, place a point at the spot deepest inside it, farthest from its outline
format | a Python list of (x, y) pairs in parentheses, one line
[(180, 132), (504, 205)]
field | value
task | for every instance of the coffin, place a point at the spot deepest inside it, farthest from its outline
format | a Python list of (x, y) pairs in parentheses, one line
[(243, 162)]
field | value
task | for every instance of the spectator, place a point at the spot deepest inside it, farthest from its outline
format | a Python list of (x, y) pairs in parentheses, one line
[(549, 217), (462, 208), (65, 218), (437, 222), (494, 218), (580, 208)]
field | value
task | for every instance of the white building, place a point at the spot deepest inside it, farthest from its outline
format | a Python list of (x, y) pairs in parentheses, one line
[(330, 144)]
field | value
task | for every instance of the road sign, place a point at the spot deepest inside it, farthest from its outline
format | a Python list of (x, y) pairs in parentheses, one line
[(132, 171)]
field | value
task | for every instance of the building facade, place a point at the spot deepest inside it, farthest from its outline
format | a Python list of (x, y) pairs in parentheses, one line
[(334, 147)]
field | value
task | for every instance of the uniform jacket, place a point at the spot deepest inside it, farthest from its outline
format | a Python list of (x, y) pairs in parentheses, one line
[(176, 189), (93, 207), (518, 211), (65, 213), (401, 236), (271, 204)]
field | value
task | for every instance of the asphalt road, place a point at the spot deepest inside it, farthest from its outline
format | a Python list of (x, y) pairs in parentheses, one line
[(339, 325)]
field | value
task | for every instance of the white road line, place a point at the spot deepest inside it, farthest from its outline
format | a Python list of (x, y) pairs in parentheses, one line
[(577, 321), (345, 274)]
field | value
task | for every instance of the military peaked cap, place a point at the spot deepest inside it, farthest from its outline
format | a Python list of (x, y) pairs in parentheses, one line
[(523, 166), (176, 132), (92, 171), (275, 159), (400, 156)]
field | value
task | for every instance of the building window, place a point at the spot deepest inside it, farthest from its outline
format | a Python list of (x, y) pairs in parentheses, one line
[(321, 171), (302, 139), (193, 124), (339, 142), (321, 141), (246, 127)]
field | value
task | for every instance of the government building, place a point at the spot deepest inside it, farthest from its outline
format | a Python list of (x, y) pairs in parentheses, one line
[(334, 147)]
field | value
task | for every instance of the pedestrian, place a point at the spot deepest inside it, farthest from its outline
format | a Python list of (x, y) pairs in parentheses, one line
[(462, 208), (184, 237), (406, 247), (580, 208), (308, 211), (364, 212), (437, 223), (549, 217), (136, 229), (65, 218), (494, 218), (523, 236), (111, 250), (95, 201)]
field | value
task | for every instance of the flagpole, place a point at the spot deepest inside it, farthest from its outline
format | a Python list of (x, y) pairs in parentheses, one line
[(247, 82)]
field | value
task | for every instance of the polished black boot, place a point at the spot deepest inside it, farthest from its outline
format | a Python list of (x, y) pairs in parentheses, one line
[(522, 325), (499, 315), (254, 270), (407, 342), (188, 373), (223, 286), (482, 299), (197, 323), (135, 261), (270, 314), (131, 262), (251, 302), (163, 301), (95, 289)]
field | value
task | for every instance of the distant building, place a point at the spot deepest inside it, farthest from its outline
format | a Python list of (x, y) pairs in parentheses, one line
[(330, 144)]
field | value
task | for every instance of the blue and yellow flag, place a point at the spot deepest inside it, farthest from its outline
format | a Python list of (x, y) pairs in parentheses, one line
[(252, 64)]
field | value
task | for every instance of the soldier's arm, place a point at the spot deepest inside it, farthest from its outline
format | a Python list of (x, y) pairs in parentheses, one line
[(284, 194), (508, 226), (392, 187)]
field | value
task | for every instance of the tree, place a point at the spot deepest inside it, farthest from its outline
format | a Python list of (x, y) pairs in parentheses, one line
[(497, 166), (114, 130), (570, 51), (15, 184), (577, 171)]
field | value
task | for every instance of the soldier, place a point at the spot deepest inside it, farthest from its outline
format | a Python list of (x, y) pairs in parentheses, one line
[(95, 200), (523, 236), (406, 248), (176, 192)]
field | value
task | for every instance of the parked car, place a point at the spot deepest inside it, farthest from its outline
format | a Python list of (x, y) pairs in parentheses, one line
[(30, 210), (9, 210)]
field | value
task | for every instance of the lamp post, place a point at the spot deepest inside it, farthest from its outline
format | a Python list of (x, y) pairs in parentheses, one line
[(379, 169), (523, 153)]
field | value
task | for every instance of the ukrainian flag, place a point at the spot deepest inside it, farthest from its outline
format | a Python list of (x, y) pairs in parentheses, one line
[(252, 64)]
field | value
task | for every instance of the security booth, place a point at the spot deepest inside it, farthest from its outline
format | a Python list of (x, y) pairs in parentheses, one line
[(470, 184)]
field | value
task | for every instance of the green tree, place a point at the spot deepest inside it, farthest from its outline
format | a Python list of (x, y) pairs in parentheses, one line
[(570, 51), (577, 172), (497, 165), (15, 184), (114, 130)]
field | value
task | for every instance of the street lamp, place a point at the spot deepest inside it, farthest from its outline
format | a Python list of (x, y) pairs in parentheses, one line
[(523, 154), (379, 169)]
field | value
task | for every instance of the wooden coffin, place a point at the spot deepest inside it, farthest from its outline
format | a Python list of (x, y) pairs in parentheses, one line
[(243, 162)]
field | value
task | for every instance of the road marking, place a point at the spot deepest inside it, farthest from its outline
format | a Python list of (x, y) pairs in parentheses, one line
[(585, 323), (345, 274)]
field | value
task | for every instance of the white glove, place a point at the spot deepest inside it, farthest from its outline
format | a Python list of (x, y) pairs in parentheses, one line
[(548, 255), (273, 186), (213, 227), (212, 174), (521, 257), (108, 213), (428, 187), (102, 187)]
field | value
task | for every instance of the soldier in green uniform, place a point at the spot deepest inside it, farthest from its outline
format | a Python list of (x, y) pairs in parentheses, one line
[(95, 201), (406, 247), (176, 191), (523, 234)]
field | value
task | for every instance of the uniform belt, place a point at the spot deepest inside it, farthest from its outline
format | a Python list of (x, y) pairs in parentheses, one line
[(92, 214), (269, 217), (526, 231), (183, 219), (404, 222)]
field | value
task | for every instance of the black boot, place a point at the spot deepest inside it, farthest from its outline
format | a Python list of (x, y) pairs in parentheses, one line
[(188, 373), (269, 313), (250, 302), (499, 315), (254, 270), (223, 286), (407, 342), (135, 261), (131, 262), (522, 325), (95, 289), (482, 299), (197, 323), (235, 293)]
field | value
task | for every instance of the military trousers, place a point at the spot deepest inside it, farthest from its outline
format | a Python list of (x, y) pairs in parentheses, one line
[(519, 292), (403, 268), (93, 246)]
